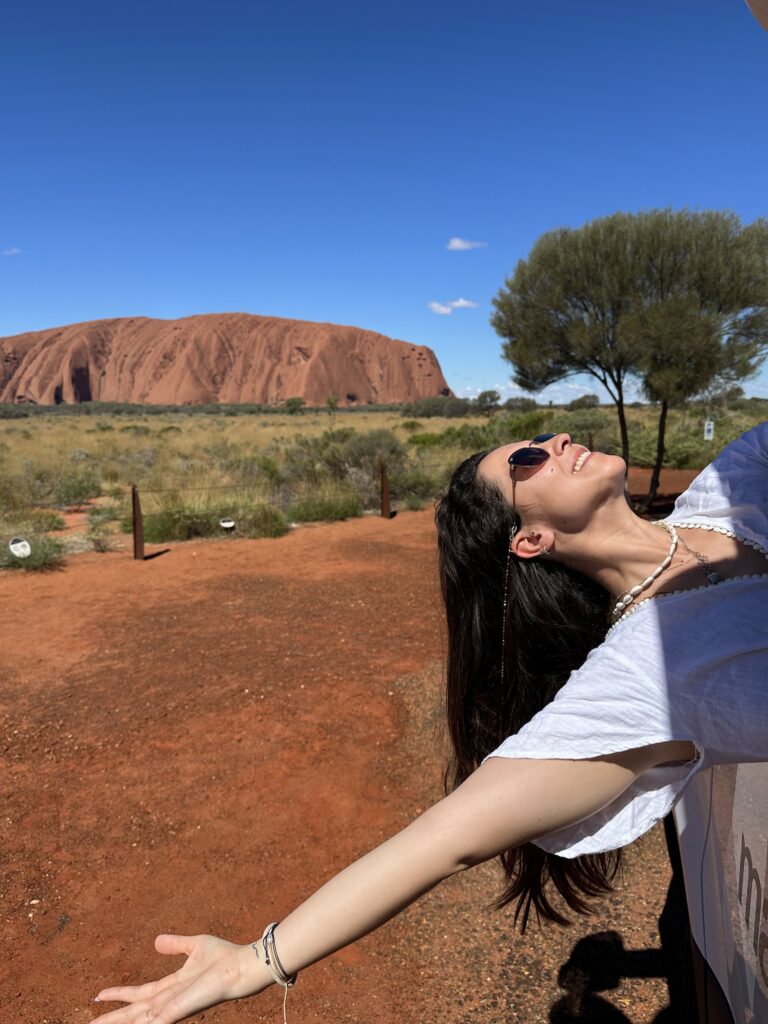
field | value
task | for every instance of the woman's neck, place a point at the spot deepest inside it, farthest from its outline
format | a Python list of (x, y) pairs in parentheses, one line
[(619, 551)]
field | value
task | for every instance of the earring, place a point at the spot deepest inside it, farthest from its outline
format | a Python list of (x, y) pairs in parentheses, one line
[(545, 551)]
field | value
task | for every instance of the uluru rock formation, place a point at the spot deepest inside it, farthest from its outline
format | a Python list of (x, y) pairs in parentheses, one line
[(227, 357)]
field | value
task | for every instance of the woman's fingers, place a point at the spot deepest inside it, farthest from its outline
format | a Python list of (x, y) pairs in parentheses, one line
[(177, 944), (133, 993), (136, 1013)]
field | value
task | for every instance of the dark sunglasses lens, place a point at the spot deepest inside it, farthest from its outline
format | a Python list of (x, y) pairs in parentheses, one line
[(542, 437), (528, 457)]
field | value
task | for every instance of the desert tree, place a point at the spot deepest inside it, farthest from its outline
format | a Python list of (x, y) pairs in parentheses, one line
[(702, 318), (294, 405), (561, 311), (332, 404), (487, 402), (671, 300)]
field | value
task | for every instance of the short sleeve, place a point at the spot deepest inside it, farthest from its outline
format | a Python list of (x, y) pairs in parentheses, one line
[(732, 489), (611, 704)]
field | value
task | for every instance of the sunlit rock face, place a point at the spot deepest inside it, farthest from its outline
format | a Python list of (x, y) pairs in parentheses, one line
[(227, 358)]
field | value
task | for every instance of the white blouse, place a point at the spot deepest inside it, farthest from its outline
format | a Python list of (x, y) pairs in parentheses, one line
[(686, 665)]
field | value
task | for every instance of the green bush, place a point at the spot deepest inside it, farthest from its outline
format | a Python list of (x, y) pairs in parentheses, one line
[(325, 506), (440, 405), (185, 522), (413, 503), (36, 520), (416, 482), (100, 514), (77, 486), (47, 552)]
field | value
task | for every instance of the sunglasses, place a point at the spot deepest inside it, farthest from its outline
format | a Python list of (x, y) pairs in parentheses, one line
[(531, 456)]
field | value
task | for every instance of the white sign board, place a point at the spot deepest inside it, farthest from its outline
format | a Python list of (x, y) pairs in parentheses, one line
[(709, 430), (722, 824)]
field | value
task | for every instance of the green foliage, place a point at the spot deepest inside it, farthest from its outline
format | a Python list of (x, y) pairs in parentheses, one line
[(294, 405), (73, 488), (676, 300), (414, 503), (33, 520), (101, 514), (185, 520), (417, 482), (324, 505), (584, 402), (487, 402), (440, 405), (518, 404), (101, 537), (47, 552), (411, 425)]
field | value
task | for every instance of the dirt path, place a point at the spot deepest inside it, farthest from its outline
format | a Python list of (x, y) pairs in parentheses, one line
[(195, 742)]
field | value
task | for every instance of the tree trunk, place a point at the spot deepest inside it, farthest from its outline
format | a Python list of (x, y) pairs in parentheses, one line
[(619, 400), (654, 486)]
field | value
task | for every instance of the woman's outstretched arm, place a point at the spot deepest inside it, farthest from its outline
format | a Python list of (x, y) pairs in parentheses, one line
[(506, 802)]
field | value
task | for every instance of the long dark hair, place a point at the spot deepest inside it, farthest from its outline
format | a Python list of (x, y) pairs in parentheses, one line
[(554, 617)]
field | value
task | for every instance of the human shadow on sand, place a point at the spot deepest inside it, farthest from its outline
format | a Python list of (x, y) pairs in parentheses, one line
[(600, 962)]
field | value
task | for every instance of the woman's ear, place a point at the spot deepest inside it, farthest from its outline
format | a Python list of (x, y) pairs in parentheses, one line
[(531, 543)]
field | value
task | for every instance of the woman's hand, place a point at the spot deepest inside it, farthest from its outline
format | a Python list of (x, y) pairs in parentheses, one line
[(215, 970)]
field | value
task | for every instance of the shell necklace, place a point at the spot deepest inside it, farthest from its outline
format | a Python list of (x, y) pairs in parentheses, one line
[(712, 577)]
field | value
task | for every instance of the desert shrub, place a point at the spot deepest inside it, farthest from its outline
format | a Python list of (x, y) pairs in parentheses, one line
[(601, 425), (137, 429), (436, 440), (324, 505), (37, 520), (47, 552), (416, 482), (100, 514), (520, 404), (77, 486), (342, 455), (411, 425), (477, 437), (180, 520), (413, 503), (583, 402), (255, 468), (13, 412), (100, 537), (440, 405)]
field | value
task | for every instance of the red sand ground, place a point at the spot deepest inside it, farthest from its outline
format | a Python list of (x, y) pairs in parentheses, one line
[(195, 742)]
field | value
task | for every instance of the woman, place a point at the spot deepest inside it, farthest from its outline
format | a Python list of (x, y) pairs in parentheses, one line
[(596, 661)]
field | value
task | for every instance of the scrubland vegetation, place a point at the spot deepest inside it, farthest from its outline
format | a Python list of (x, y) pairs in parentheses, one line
[(266, 470)]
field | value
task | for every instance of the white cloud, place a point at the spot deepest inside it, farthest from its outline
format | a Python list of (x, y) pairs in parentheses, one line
[(446, 308), (440, 308), (462, 244), (11, 251)]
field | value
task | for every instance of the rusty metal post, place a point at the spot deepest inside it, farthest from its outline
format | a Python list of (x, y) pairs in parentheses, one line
[(386, 509), (138, 525)]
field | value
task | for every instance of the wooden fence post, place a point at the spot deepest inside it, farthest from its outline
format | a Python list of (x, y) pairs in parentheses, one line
[(138, 525), (386, 509)]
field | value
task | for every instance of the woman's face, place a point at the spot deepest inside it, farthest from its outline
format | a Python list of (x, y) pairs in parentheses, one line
[(561, 494)]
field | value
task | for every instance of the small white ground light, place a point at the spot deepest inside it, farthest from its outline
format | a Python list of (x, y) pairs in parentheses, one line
[(19, 547), (227, 525)]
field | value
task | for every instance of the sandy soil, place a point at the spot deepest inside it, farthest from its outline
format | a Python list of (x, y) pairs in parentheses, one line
[(195, 742)]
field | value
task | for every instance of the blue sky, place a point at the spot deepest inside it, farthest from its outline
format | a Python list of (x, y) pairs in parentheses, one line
[(313, 160)]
